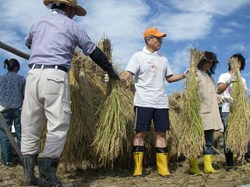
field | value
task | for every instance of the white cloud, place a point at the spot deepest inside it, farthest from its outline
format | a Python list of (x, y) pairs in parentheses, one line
[(191, 26), (181, 59), (225, 30), (21, 14), (238, 47), (16, 19), (221, 7), (120, 19), (236, 25), (10, 36), (231, 27)]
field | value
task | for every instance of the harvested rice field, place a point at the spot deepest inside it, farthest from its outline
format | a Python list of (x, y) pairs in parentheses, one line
[(12, 176)]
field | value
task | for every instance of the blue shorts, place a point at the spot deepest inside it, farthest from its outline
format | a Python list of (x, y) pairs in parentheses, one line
[(144, 116)]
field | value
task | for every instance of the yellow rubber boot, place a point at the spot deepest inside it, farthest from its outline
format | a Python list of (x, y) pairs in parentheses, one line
[(138, 159), (208, 168), (162, 164), (194, 169)]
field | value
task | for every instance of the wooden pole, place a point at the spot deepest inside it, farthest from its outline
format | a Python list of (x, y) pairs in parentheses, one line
[(14, 50), (9, 135)]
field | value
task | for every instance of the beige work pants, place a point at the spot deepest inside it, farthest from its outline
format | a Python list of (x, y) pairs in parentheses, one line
[(47, 96)]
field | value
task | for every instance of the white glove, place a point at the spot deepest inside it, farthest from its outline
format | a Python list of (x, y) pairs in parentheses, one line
[(231, 79), (227, 99), (219, 100), (106, 78), (2, 109)]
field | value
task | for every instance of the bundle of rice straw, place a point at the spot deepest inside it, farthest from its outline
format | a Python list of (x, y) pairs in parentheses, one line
[(113, 136), (191, 140), (175, 109), (238, 130), (83, 118), (88, 91), (113, 140)]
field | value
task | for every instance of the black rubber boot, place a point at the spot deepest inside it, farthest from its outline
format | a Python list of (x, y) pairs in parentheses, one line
[(247, 156), (47, 172), (28, 162), (229, 160)]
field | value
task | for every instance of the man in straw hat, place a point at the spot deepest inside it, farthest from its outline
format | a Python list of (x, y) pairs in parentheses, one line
[(52, 41), (150, 70)]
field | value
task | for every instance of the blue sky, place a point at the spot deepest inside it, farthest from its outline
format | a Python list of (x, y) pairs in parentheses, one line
[(220, 26)]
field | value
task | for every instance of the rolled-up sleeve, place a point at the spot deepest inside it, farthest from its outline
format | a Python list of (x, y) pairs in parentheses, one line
[(84, 42)]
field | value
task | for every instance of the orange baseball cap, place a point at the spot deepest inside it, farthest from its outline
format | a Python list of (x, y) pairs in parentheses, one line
[(152, 31)]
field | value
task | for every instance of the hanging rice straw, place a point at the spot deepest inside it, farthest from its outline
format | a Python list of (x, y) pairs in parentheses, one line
[(238, 122), (87, 93), (175, 110), (192, 138), (112, 143), (85, 89)]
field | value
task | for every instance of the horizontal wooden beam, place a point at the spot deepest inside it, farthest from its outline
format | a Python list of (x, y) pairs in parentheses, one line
[(14, 50)]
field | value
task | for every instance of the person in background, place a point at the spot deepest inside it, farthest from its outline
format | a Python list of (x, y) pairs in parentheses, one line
[(150, 71), (209, 110), (52, 41), (11, 101), (247, 155), (224, 88)]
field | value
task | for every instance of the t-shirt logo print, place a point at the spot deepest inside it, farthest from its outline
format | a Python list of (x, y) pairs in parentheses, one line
[(153, 66), (229, 88)]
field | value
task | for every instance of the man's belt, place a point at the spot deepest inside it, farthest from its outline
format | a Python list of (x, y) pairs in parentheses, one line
[(40, 66)]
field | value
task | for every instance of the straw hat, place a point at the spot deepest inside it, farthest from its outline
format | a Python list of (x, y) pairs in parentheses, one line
[(80, 11)]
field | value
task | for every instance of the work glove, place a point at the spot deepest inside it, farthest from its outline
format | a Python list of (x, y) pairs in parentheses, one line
[(231, 79), (106, 78), (2, 109), (227, 99), (219, 100)]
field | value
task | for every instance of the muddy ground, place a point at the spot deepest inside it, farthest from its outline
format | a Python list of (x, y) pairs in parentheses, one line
[(12, 176)]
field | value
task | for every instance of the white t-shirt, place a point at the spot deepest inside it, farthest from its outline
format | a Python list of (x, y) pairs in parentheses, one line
[(150, 71), (223, 79)]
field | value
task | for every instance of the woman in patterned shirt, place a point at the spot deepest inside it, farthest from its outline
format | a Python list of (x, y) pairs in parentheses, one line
[(11, 100)]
